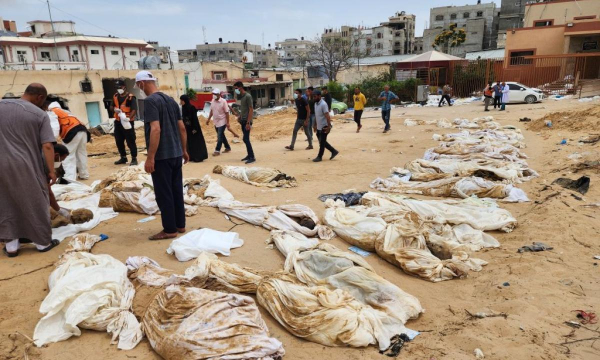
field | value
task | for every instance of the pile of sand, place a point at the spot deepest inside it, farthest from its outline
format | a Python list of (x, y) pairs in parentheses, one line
[(583, 120)]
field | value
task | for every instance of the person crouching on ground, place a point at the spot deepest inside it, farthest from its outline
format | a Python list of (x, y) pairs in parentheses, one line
[(75, 137), (488, 94), (302, 120), (166, 141), (322, 127), (360, 101), (245, 118), (125, 102), (219, 112)]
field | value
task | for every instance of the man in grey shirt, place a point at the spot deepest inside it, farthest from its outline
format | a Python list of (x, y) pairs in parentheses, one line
[(245, 118), (322, 126), (166, 141)]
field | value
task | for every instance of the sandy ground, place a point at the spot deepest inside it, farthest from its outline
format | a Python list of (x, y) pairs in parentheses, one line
[(544, 287)]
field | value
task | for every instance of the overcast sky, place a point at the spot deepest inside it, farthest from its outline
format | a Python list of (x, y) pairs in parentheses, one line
[(179, 23)]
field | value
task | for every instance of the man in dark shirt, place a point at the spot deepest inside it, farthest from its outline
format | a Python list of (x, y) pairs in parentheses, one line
[(245, 118), (166, 141), (311, 105), (302, 120), (327, 97), (125, 102)]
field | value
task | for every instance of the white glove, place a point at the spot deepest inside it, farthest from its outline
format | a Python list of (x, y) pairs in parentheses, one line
[(65, 212), (117, 111)]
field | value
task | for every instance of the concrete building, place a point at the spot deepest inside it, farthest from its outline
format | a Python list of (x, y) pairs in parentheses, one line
[(90, 102), (512, 13), (402, 26), (8, 25), (479, 22), (418, 45), (162, 52), (66, 50), (555, 27), (234, 51), (188, 55), (292, 52), (344, 34)]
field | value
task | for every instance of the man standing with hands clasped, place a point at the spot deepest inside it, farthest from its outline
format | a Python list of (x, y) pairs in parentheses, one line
[(387, 97), (166, 140), (245, 118), (322, 126), (125, 102)]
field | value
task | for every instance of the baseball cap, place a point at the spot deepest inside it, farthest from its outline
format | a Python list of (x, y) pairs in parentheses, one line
[(144, 75), (120, 83), (216, 91), (317, 92)]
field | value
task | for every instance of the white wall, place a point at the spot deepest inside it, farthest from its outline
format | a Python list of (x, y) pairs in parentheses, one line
[(193, 70), (96, 61)]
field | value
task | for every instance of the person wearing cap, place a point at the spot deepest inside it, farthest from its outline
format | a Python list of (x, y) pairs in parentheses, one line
[(219, 112), (322, 126), (245, 118), (125, 102), (166, 141)]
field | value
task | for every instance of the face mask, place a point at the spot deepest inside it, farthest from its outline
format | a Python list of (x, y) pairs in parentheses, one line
[(237, 91), (215, 97), (120, 91), (57, 164), (142, 93), (295, 96)]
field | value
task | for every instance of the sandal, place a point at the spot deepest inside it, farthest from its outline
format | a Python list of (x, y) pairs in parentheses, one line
[(181, 230), (54, 243), (11, 254), (162, 236)]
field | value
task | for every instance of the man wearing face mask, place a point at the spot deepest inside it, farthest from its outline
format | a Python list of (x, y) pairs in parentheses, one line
[(245, 118), (166, 141), (219, 112), (302, 120), (26, 135), (125, 102), (322, 127)]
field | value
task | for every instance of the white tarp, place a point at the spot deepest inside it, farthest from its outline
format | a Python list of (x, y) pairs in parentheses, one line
[(192, 244), (257, 176)]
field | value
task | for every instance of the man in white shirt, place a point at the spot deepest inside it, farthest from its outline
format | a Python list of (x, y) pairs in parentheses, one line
[(219, 112)]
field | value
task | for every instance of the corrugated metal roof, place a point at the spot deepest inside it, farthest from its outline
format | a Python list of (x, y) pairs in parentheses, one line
[(378, 60), (486, 54)]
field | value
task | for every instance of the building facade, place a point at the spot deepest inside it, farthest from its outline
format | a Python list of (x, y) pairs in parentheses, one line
[(479, 22), (512, 13), (555, 27), (162, 52), (187, 55), (235, 52), (293, 52)]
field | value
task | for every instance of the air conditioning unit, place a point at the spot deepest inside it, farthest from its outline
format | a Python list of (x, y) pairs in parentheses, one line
[(86, 86)]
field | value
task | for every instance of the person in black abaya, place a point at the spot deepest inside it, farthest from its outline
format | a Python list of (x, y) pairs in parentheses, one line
[(195, 139)]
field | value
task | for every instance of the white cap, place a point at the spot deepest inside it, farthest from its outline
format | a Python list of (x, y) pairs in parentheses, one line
[(144, 75), (216, 91)]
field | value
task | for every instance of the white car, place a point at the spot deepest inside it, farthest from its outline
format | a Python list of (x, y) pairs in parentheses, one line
[(520, 93)]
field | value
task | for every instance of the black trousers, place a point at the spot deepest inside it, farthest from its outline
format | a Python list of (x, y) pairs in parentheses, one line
[(168, 179), (357, 116), (497, 101), (445, 97), (323, 144), (122, 136), (246, 139)]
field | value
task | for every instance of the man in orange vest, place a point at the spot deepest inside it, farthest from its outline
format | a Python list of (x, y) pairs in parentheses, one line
[(125, 102), (75, 137)]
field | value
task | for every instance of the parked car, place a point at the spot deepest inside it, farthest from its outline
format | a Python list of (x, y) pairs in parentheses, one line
[(520, 93), (338, 107)]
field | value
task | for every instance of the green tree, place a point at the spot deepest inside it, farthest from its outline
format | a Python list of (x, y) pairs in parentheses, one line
[(336, 90), (449, 38), (191, 93)]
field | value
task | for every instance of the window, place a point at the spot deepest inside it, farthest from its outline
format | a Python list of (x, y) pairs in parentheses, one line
[(114, 52), (369, 42), (282, 94), (95, 52), (231, 51), (219, 75), (466, 15), (379, 35), (474, 33), (263, 93), (439, 17), (452, 16), (212, 53), (464, 25), (515, 87), (134, 53), (240, 52), (46, 55), (541, 23), (397, 43), (75, 56), (479, 13), (264, 63), (590, 17), (22, 55), (518, 57), (279, 77)]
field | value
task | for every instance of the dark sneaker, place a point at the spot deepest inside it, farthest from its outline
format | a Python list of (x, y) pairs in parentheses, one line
[(333, 155), (133, 162), (121, 161), (250, 161), (317, 159), (226, 151), (245, 159)]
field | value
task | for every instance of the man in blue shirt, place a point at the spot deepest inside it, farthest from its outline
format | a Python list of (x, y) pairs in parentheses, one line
[(387, 97), (497, 94)]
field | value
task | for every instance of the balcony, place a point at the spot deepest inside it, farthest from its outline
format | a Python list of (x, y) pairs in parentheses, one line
[(46, 65)]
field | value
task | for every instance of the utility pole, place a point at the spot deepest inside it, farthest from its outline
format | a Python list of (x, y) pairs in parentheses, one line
[(53, 33)]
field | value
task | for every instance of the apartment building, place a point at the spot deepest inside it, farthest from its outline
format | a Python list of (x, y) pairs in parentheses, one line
[(237, 52), (292, 52), (512, 13)]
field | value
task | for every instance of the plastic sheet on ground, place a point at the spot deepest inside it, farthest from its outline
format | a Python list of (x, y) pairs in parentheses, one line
[(77, 196), (292, 217), (91, 292), (257, 176), (183, 320), (192, 244)]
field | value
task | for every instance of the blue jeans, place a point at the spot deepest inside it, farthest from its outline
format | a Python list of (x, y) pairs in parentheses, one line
[(167, 178), (221, 138), (385, 115), (246, 138), (311, 123)]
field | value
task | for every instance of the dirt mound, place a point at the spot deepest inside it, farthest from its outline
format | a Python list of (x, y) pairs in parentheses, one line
[(583, 120)]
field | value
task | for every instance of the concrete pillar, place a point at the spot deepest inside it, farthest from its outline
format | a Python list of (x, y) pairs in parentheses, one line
[(10, 53), (87, 56), (123, 54), (104, 55)]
